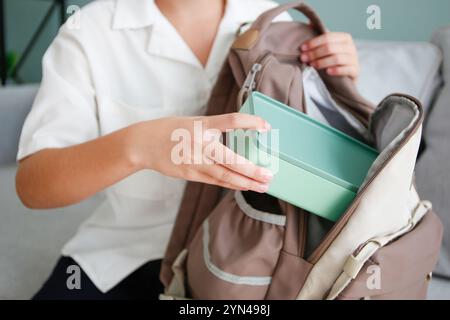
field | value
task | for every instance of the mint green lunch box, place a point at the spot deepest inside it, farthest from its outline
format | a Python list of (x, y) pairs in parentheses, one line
[(315, 166)]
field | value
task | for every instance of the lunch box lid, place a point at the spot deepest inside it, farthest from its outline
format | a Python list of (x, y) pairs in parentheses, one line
[(312, 145)]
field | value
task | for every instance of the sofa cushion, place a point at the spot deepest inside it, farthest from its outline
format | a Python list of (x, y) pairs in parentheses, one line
[(15, 103), (31, 240), (403, 67), (433, 168)]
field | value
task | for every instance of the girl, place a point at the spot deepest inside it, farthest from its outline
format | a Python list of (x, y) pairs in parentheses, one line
[(116, 84)]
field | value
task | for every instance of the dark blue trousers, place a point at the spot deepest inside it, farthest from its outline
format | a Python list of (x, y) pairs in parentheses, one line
[(142, 284)]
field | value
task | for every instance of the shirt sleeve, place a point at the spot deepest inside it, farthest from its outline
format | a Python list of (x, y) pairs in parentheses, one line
[(64, 111)]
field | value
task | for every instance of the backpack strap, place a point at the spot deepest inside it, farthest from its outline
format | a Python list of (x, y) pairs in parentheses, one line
[(250, 37), (265, 19)]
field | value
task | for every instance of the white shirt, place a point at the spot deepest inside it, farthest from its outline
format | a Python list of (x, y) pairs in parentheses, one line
[(125, 63)]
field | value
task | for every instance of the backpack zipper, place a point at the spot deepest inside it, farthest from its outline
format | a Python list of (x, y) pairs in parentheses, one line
[(340, 224), (256, 73), (248, 86), (249, 83), (250, 80)]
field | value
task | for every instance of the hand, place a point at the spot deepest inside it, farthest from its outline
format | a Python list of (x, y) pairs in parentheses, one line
[(335, 52), (156, 145)]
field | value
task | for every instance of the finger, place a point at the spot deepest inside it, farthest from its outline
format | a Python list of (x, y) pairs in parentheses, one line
[(235, 162), (329, 37), (344, 71), (236, 120), (327, 50), (333, 61), (223, 176), (202, 177)]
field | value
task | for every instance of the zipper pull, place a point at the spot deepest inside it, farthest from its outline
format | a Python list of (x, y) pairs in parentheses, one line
[(249, 83)]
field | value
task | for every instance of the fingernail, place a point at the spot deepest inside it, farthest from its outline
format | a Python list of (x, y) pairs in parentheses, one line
[(267, 127), (304, 47), (262, 188), (266, 174), (304, 57)]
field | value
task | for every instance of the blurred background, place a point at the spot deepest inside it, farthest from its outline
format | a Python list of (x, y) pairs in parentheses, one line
[(30, 25), (409, 53)]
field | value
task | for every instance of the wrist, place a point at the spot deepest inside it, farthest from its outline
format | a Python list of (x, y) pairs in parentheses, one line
[(132, 149)]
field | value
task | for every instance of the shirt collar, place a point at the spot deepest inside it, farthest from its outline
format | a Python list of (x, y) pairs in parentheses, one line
[(165, 42), (135, 14)]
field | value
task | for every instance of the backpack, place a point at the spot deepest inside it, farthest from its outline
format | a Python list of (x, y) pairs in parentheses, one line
[(242, 245)]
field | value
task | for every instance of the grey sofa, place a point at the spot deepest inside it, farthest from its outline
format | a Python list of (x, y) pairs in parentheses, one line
[(30, 241)]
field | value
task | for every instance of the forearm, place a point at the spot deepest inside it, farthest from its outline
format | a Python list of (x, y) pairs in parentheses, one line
[(59, 177)]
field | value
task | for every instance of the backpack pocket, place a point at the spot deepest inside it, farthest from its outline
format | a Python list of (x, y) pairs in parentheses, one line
[(235, 252), (401, 269)]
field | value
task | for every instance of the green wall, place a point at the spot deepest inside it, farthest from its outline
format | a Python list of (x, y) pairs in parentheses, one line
[(409, 20), (22, 19)]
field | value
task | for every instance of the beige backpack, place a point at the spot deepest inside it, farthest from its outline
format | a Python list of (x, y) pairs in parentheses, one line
[(243, 245)]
